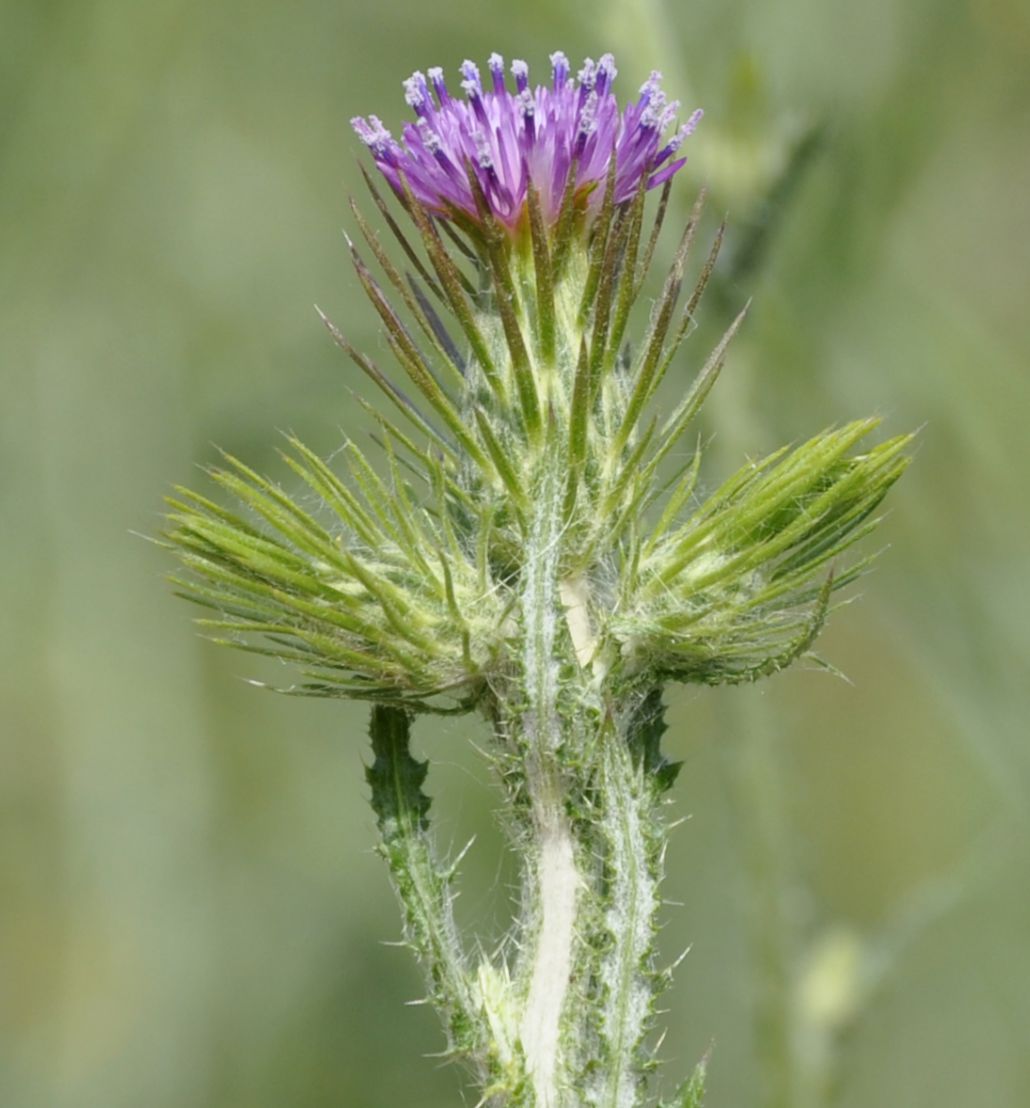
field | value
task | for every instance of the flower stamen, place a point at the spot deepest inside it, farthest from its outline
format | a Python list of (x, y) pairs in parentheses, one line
[(529, 136)]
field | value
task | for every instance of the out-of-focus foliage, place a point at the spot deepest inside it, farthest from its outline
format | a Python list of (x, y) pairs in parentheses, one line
[(190, 908)]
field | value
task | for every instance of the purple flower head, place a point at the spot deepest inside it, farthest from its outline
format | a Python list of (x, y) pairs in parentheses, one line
[(508, 139)]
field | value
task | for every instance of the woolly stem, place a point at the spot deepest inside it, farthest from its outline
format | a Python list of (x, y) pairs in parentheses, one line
[(593, 841), (629, 830), (584, 780), (551, 877), (557, 884)]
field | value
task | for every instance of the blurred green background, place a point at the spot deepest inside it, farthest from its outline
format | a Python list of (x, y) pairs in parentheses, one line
[(190, 908)]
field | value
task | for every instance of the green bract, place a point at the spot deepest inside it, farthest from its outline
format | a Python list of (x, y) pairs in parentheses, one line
[(401, 584)]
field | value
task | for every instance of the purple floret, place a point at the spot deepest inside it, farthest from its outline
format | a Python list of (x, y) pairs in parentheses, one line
[(513, 137)]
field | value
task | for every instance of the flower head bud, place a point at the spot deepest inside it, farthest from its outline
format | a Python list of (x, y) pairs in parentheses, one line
[(529, 137)]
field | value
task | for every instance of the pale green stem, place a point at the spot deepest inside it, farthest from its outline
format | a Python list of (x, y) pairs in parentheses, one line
[(591, 864), (629, 830), (588, 928), (550, 959), (554, 880)]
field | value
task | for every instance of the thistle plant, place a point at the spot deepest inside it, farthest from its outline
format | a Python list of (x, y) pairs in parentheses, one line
[(531, 542)]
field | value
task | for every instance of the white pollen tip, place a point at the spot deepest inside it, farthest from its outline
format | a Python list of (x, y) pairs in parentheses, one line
[(430, 139), (588, 116), (652, 83), (483, 154), (415, 89)]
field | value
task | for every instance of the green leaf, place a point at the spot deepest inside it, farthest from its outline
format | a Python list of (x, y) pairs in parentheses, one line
[(644, 736), (396, 778), (691, 1094)]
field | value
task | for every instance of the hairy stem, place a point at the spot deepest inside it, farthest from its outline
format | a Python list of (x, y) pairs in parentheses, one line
[(585, 794), (550, 965), (626, 972), (552, 878)]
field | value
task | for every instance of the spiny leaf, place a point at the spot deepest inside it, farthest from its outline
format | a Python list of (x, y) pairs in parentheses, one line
[(579, 413), (656, 230), (396, 778), (502, 461), (453, 282), (333, 492), (647, 375), (687, 316), (645, 738), (780, 486), (706, 273), (563, 232), (691, 1094), (434, 468), (599, 350), (397, 396), (627, 280), (599, 240), (384, 211), (421, 311), (686, 482), (447, 228), (436, 325), (505, 301), (701, 386)]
